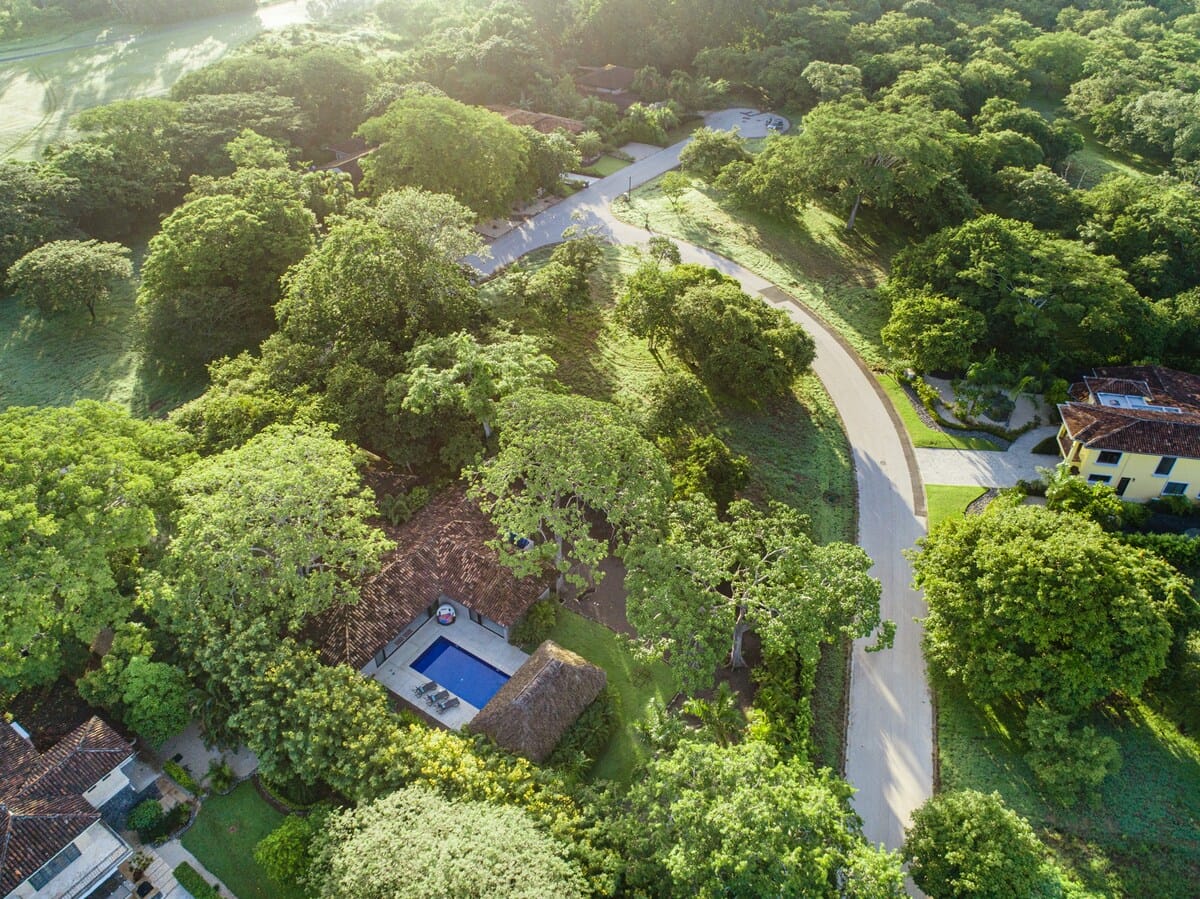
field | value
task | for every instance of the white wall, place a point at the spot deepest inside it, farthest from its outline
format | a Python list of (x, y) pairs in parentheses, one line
[(108, 786), (102, 851)]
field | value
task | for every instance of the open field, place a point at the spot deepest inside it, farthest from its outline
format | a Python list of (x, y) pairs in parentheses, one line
[(44, 82), (224, 836), (55, 361), (812, 257), (636, 681)]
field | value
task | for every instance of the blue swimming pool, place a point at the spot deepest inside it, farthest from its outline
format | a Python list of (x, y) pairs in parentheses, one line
[(461, 673)]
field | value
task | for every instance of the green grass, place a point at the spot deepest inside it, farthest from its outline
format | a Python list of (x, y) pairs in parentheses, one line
[(919, 432), (1140, 839), (637, 681), (945, 502), (605, 166), (1095, 160), (223, 839), (55, 361), (811, 257), (72, 72)]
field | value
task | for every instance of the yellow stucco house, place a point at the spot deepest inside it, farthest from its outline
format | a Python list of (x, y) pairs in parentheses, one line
[(1137, 429)]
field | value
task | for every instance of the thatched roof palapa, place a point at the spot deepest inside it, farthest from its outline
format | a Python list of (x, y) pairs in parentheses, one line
[(547, 694)]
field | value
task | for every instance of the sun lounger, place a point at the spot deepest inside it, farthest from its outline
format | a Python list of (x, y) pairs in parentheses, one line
[(425, 688), (435, 698), (446, 704)]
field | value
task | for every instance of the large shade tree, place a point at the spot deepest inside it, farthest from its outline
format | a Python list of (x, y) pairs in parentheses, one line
[(562, 460), (275, 530), (69, 274), (415, 844), (445, 146), (84, 497), (695, 594), (740, 821)]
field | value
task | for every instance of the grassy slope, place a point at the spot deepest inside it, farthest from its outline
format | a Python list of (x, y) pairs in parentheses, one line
[(1141, 837), (224, 836), (53, 362), (832, 272), (605, 166), (637, 681)]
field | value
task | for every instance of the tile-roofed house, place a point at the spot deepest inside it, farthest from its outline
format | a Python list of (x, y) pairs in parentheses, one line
[(613, 84), (1136, 428), (547, 694), (539, 121), (346, 158), (440, 553), (53, 842)]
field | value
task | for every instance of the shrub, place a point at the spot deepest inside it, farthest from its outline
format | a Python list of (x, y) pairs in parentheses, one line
[(220, 775), (589, 735), (286, 852), (145, 817), (398, 508), (537, 624), (181, 776), (1181, 551), (189, 878), (1068, 762)]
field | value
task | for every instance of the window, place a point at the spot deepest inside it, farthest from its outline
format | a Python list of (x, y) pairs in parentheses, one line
[(1165, 464), (1174, 488), (1109, 457), (54, 867), (1099, 478)]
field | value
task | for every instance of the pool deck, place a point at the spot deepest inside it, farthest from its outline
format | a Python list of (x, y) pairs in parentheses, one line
[(397, 675)]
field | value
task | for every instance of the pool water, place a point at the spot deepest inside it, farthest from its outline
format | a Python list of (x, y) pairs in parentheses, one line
[(463, 674)]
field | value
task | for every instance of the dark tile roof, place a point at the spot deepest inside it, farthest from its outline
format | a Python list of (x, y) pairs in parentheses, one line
[(42, 808), (530, 713), (442, 549), (605, 78), (1134, 430)]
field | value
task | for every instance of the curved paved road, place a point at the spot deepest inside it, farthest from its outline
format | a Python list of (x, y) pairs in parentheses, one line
[(889, 757)]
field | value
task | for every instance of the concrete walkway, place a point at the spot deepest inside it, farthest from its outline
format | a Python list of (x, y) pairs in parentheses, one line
[(173, 853), (974, 468), (890, 733)]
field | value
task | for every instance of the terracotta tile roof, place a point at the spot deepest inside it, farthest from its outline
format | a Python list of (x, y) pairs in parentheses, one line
[(539, 121), (1134, 430), (442, 549), (42, 808)]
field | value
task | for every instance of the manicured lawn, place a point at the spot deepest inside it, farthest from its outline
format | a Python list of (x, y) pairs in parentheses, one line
[(1140, 839), (224, 836), (811, 257), (636, 680), (944, 502), (605, 166), (55, 361), (919, 432)]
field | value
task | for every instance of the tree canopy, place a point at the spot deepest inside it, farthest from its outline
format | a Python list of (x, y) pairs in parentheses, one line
[(562, 459), (84, 496), (69, 274), (694, 594), (415, 843), (444, 146)]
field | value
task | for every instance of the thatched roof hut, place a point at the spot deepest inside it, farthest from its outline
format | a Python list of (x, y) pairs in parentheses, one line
[(541, 701)]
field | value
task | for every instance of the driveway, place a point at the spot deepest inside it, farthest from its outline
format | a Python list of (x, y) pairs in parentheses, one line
[(973, 468), (889, 741)]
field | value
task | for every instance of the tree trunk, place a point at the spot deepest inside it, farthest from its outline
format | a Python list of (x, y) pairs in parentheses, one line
[(736, 659), (560, 585), (854, 213), (487, 429)]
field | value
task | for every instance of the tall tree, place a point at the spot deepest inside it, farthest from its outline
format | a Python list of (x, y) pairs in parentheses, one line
[(459, 372), (36, 206), (738, 821), (416, 843), (444, 146), (561, 460), (438, 220), (84, 493), (69, 274), (694, 595), (859, 153), (276, 530)]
